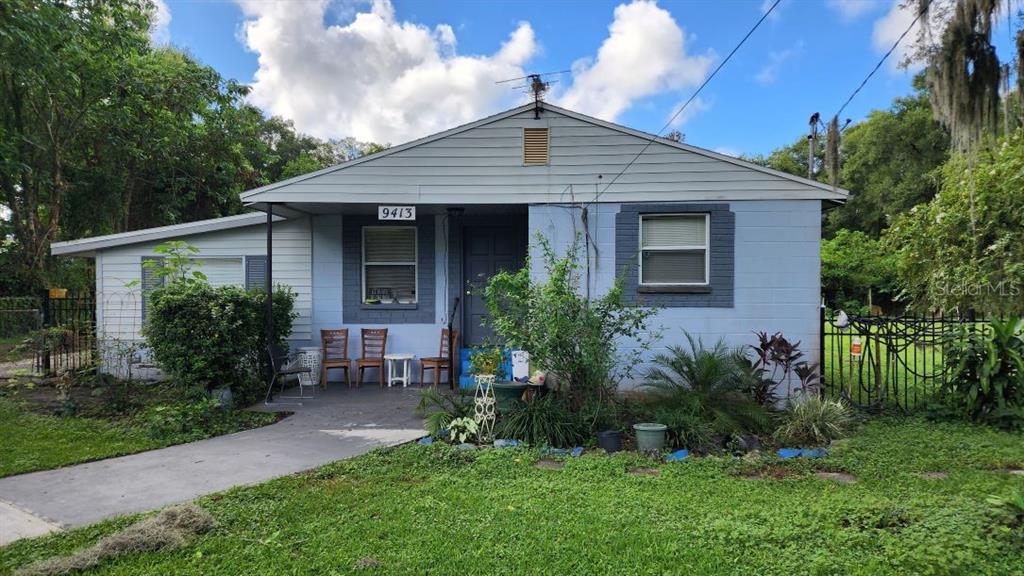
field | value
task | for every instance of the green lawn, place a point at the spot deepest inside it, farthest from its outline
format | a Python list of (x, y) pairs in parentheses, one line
[(417, 510), (11, 349), (893, 370), (30, 441)]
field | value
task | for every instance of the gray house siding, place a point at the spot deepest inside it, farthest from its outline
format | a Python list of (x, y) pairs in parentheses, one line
[(776, 281), (484, 165)]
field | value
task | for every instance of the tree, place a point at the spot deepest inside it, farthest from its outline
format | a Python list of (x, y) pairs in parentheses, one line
[(855, 270), (888, 161), (61, 63), (965, 248)]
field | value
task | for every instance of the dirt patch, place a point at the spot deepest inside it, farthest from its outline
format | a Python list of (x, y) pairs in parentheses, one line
[(644, 471), (934, 475), (840, 477), (367, 564), (549, 464)]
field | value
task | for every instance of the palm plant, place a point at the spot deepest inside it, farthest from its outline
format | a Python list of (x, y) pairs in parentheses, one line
[(707, 382), (441, 409)]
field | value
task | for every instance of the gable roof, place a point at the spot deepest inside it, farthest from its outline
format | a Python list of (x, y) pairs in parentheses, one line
[(89, 246), (288, 190)]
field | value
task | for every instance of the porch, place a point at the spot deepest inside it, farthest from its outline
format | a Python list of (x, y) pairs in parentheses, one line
[(415, 271)]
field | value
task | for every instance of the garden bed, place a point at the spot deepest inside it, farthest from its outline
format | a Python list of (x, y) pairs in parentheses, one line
[(420, 509)]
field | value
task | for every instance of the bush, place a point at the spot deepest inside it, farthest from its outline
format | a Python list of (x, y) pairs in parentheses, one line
[(986, 374), (686, 429), (572, 338), (814, 421), (708, 383), (210, 337), (543, 420)]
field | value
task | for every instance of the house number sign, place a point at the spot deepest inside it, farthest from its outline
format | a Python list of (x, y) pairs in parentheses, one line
[(396, 212)]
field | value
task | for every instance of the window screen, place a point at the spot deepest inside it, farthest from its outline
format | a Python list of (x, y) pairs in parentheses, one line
[(674, 249), (389, 264)]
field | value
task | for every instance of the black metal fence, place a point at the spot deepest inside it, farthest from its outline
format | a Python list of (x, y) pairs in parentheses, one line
[(895, 361), (68, 339)]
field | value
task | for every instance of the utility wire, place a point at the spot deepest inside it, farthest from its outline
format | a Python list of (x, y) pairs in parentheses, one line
[(920, 13), (692, 97)]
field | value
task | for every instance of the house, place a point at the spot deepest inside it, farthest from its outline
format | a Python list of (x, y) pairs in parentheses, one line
[(723, 246)]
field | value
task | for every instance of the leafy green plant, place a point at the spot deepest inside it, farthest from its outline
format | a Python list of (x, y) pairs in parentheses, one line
[(209, 337), (196, 420), (463, 429), (574, 339), (440, 409), (986, 374), (814, 421), (1008, 516), (176, 262), (543, 420), (707, 382), (487, 359), (686, 429)]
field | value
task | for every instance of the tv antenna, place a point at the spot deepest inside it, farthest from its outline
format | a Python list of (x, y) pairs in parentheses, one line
[(536, 85)]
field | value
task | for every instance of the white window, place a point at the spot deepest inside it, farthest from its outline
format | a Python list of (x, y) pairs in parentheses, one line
[(674, 249), (389, 264)]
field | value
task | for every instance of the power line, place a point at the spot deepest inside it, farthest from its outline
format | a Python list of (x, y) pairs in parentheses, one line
[(920, 13), (691, 98)]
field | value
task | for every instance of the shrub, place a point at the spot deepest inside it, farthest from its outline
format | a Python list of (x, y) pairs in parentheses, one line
[(487, 359), (543, 420), (441, 409), (572, 338), (707, 383), (986, 374), (209, 337), (686, 429), (814, 421), (463, 429)]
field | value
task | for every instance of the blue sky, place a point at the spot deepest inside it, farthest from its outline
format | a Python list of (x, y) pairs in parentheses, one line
[(407, 68)]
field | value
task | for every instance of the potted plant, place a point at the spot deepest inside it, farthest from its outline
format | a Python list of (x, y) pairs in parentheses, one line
[(489, 360)]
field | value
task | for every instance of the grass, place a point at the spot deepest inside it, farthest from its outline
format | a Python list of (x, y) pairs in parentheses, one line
[(11, 349), (30, 441), (415, 510), (909, 373)]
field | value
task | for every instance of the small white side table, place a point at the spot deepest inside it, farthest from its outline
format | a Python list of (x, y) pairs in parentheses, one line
[(399, 368)]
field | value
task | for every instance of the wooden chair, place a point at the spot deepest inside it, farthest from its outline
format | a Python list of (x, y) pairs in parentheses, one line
[(334, 354), (374, 343), (440, 362)]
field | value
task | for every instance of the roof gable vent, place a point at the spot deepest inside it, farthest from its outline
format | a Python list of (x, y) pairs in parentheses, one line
[(536, 148)]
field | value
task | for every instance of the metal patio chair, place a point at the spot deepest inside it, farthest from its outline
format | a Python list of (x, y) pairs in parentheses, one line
[(282, 366)]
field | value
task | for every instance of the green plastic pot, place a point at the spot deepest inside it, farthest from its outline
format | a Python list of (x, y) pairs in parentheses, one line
[(650, 437), (507, 394)]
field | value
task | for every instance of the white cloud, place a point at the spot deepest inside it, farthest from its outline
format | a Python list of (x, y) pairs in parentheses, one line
[(888, 28), (770, 71), (850, 10), (766, 5), (644, 54), (374, 78), (728, 151), (697, 106), (160, 27)]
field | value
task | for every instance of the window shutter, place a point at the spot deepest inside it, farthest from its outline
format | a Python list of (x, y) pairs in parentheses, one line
[(536, 146), (150, 282), (255, 272)]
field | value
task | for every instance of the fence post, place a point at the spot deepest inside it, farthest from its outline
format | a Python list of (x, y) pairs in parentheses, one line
[(44, 352), (821, 344)]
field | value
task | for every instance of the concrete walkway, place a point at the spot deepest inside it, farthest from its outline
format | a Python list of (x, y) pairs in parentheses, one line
[(339, 423)]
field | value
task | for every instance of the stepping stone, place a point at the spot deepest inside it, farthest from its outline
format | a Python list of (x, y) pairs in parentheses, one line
[(1016, 471), (644, 471), (840, 477), (549, 464), (934, 475)]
